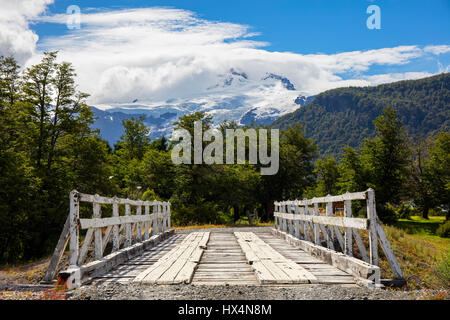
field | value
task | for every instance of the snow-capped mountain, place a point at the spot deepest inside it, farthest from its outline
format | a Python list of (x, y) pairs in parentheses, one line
[(235, 96)]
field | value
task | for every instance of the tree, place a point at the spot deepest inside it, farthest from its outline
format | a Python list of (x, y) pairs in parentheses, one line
[(438, 171), (386, 157), (419, 181), (327, 172), (353, 175), (135, 141), (295, 174)]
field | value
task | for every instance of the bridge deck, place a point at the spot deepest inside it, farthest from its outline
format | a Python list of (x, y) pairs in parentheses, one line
[(224, 262)]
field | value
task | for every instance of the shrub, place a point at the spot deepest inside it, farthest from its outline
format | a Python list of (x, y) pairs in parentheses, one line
[(444, 230)]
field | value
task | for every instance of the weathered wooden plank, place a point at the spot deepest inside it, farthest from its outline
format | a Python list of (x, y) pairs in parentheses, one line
[(73, 228), (178, 265), (387, 249), (57, 254), (348, 246), (344, 222), (269, 265), (85, 246), (106, 222), (339, 198)]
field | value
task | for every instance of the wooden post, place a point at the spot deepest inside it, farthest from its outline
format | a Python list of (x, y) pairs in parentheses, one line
[(296, 222), (330, 231), (164, 222), (138, 225), (57, 254), (371, 215), (146, 224), (128, 227), (168, 216), (98, 246), (306, 224), (74, 214), (116, 240), (348, 231), (316, 226)]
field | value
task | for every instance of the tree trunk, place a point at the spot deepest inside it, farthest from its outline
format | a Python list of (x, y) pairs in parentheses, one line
[(236, 213), (425, 212)]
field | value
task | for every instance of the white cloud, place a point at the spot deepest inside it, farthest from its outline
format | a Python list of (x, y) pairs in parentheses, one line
[(16, 38), (437, 50), (156, 54)]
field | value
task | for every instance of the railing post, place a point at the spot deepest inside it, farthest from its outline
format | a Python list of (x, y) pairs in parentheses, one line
[(147, 223), (164, 216), (74, 214), (116, 239), (348, 231), (98, 246), (306, 223), (316, 226), (168, 216), (139, 224), (296, 222), (330, 237), (127, 227), (371, 215)]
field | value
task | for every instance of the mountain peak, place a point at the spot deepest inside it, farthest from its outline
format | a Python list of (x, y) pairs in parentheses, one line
[(285, 81)]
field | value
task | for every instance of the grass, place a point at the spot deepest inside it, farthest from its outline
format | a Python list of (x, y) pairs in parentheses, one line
[(423, 256), (419, 225)]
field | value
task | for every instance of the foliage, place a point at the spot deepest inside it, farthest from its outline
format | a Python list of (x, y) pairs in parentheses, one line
[(344, 116), (444, 230), (46, 149)]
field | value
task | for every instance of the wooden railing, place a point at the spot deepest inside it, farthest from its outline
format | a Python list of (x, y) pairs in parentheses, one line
[(141, 221), (124, 230), (301, 219)]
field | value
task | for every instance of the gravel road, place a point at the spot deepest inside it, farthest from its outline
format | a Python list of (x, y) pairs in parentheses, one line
[(118, 291)]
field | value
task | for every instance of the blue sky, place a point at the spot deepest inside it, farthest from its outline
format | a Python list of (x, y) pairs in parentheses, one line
[(307, 26), (158, 49)]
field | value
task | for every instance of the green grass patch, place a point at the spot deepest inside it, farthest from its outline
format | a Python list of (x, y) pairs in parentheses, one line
[(422, 254), (419, 225)]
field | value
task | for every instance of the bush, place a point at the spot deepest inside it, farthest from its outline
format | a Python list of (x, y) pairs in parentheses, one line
[(444, 230)]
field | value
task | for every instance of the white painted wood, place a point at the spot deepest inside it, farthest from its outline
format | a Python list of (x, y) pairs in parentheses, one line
[(139, 224), (330, 233), (387, 249), (373, 240), (339, 198), (316, 226), (73, 230), (147, 223), (269, 265), (116, 240), (98, 246), (361, 248), (344, 222), (348, 246), (58, 252), (85, 247), (105, 222)]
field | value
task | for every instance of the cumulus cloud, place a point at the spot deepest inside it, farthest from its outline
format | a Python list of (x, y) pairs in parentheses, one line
[(16, 38), (156, 54)]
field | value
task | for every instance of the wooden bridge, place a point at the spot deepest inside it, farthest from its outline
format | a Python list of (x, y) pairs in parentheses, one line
[(311, 243)]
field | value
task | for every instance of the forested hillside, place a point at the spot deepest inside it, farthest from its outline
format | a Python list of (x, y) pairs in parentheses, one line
[(345, 116)]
